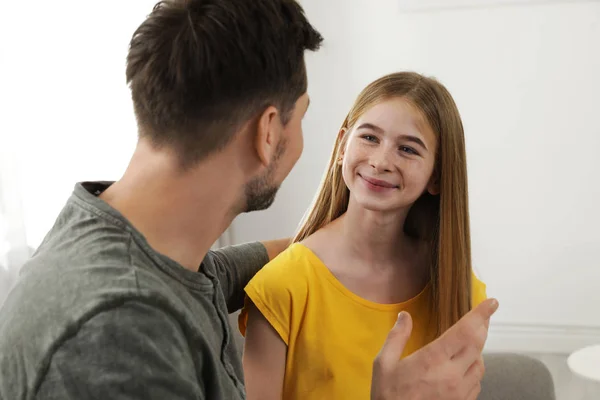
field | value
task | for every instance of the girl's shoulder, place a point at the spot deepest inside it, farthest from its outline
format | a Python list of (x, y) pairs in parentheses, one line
[(294, 262), (321, 240), (280, 289)]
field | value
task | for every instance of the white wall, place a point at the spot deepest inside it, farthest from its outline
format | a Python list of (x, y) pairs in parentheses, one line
[(526, 80)]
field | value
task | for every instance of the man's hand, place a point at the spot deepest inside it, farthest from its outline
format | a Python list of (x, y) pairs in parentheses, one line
[(449, 368), (274, 247)]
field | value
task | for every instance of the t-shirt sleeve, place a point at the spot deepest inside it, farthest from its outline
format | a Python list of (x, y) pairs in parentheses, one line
[(279, 292), (478, 291), (135, 351), (235, 266)]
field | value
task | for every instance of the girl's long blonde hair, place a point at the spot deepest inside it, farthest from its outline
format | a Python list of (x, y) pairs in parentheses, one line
[(442, 220)]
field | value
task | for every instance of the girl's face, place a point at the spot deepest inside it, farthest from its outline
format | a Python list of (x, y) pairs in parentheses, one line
[(389, 157)]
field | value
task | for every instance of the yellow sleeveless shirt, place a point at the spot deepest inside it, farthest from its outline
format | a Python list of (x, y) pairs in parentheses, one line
[(332, 334)]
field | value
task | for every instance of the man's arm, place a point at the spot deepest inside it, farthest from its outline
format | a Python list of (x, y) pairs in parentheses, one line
[(135, 351), (236, 265), (274, 247)]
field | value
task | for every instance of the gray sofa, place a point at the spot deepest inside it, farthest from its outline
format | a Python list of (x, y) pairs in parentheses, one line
[(516, 377)]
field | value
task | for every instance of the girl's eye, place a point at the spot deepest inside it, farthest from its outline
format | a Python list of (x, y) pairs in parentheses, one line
[(409, 150), (369, 138)]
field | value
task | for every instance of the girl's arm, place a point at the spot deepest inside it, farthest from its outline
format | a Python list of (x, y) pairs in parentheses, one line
[(264, 358)]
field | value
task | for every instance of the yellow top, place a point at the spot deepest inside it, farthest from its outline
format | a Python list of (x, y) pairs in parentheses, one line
[(332, 334)]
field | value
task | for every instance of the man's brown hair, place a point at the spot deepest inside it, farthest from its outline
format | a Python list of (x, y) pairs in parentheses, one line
[(199, 69)]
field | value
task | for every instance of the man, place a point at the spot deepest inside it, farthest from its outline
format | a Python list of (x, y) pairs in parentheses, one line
[(123, 299)]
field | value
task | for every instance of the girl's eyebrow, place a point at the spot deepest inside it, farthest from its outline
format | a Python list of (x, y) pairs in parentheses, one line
[(379, 130)]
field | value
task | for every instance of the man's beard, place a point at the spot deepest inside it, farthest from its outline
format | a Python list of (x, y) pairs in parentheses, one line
[(260, 192)]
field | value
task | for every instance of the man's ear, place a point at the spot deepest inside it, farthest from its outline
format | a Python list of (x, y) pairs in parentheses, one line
[(268, 132)]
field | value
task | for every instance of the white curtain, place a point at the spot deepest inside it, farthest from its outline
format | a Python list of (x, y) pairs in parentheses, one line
[(14, 250)]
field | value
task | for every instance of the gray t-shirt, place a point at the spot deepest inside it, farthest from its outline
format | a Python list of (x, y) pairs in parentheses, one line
[(97, 314)]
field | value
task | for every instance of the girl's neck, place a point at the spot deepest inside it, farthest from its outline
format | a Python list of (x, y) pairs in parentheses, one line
[(370, 255), (372, 236)]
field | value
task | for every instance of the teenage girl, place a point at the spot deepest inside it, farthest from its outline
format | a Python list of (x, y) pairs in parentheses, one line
[(388, 232)]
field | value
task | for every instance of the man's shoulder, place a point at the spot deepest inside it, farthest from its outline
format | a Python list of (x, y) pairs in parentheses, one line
[(53, 292), (48, 307), (49, 301), (86, 268), (115, 331)]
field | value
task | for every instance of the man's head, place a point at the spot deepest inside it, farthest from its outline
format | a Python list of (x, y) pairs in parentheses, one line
[(201, 71)]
